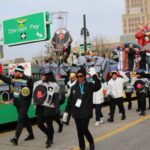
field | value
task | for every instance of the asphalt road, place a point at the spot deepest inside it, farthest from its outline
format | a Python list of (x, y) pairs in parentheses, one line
[(130, 134)]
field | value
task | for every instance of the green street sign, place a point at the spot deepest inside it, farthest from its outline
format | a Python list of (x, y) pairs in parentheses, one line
[(26, 29), (89, 45)]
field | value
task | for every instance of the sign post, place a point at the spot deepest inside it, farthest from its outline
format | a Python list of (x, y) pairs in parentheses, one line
[(26, 29), (89, 45)]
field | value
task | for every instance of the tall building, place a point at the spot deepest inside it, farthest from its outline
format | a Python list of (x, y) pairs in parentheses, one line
[(136, 12)]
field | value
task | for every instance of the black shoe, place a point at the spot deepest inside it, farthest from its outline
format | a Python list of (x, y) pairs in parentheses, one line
[(110, 120), (148, 108), (48, 143), (60, 128), (142, 114), (138, 110), (119, 112), (14, 141), (29, 137), (123, 117), (92, 147), (82, 148)]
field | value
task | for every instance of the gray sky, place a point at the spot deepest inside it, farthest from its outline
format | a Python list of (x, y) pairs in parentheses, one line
[(104, 17)]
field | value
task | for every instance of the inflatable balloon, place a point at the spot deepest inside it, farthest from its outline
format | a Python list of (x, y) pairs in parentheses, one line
[(143, 35), (62, 40)]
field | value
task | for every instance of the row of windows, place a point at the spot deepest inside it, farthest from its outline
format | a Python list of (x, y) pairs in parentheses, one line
[(133, 24), (136, 3), (134, 20), (133, 30)]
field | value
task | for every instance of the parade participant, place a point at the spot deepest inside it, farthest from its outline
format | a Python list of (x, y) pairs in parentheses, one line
[(81, 107), (82, 60), (140, 85), (115, 89), (98, 100), (142, 62), (22, 93), (97, 63), (131, 56), (45, 97), (129, 90), (64, 70), (70, 84), (148, 60)]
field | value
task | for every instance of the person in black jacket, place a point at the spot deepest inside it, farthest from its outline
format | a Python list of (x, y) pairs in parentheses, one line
[(22, 93), (80, 105), (131, 57)]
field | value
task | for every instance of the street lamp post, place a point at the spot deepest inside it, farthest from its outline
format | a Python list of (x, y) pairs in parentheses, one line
[(85, 33), (84, 28)]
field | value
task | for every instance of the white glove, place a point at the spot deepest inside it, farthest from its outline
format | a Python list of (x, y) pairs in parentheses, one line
[(65, 117), (91, 71)]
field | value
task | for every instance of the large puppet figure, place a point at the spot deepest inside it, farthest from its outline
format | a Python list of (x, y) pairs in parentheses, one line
[(143, 35), (62, 41)]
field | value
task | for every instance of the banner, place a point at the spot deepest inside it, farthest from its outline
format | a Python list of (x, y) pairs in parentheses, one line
[(27, 68)]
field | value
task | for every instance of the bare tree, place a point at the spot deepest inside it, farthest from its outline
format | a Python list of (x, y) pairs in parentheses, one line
[(102, 45)]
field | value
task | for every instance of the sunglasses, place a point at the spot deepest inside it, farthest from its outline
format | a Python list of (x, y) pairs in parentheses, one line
[(80, 76)]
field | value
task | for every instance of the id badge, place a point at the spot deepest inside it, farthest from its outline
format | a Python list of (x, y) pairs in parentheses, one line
[(78, 103)]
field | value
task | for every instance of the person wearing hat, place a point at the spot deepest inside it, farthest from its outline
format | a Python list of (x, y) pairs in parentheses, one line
[(115, 89), (46, 100), (22, 93), (80, 105)]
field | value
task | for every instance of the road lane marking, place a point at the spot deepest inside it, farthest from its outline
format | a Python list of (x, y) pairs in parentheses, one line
[(118, 130)]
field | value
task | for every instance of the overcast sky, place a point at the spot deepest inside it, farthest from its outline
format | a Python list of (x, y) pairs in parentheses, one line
[(104, 17)]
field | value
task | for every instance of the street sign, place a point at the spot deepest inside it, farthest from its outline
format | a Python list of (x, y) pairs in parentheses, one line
[(89, 45), (25, 29)]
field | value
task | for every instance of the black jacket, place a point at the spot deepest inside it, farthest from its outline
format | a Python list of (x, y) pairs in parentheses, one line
[(17, 86), (86, 108)]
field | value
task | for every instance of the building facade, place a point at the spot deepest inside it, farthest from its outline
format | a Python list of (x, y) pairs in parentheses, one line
[(136, 12)]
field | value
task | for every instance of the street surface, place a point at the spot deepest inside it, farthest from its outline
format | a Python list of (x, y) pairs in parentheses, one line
[(131, 134)]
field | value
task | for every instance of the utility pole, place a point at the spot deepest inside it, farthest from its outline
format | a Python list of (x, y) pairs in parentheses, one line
[(85, 33)]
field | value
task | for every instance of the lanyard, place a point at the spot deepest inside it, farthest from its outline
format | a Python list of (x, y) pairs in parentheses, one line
[(81, 88)]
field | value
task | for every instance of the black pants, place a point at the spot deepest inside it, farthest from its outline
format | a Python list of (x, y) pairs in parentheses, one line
[(141, 101), (98, 111), (128, 98), (113, 103), (23, 120), (47, 129), (148, 99), (82, 130), (130, 64)]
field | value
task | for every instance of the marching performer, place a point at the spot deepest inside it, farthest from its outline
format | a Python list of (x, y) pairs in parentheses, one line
[(129, 90), (80, 105), (115, 89), (46, 99), (140, 85), (21, 95)]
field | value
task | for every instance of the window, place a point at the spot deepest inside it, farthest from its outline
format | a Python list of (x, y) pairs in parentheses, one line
[(141, 9)]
